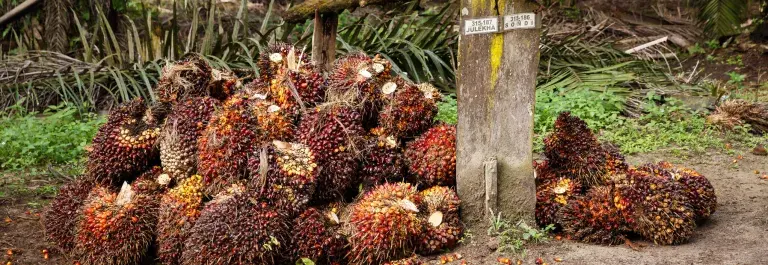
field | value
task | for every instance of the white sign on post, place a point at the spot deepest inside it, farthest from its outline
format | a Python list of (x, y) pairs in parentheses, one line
[(520, 21), (481, 25)]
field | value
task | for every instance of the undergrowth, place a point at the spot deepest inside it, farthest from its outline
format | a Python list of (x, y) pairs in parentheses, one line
[(513, 237)]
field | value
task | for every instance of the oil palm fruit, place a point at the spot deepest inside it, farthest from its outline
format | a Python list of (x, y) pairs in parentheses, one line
[(431, 158), (60, 217), (385, 224), (179, 209), (408, 109), (696, 187), (358, 79), (593, 218), (382, 159), (115, 228), (184, 126), (124, 146), (237, 230), (574, 149), (553, 195), (284, 174), (413, 260), (153, 182), (440, 209), (188, 77), (315, 236)]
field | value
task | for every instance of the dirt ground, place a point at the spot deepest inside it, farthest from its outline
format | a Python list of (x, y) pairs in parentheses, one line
[(736, 233)]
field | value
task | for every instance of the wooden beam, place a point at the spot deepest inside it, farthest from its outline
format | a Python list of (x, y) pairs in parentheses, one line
[(17, 11), (324, 40), (496, 92), (307, 9)]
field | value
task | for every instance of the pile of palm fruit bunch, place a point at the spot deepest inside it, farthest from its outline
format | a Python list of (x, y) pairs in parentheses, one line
[(589, 193), (343, 167)]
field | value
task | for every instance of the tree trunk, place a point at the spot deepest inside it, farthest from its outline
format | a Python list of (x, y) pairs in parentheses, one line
[(307, 9), (324, 40), (496, 92)]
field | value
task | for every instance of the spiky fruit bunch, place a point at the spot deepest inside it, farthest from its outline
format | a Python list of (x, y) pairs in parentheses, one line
[(407, 111), (115, 228), (274, 122), (358, 78), (179, 209), (431, 158), (277, 57), (593, 218), (151, 183), (178, 141), (413, 260), (294, 88), (315, 237), (615, 163), (188, 77), (385, 224), (573, 148), (697, 188), (440, 206), (124, 146), (544, 172), (237, 231), (382, 160), (655, 207), (226, 143), (60, 217), (284, 174), (333, 134), (553, 195)]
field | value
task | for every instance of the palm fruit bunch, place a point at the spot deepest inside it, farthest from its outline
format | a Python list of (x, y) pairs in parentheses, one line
[(385, 224), (553, 195), (124, 146), (273, 122), (115, 228), (283, 174), (289, 78), (655, 207), (60, 217), (573, 149), (738, 112), (178, 140), (179, 209), (413, 260), (153, 182), (225, 144), (407, 110), (440, 206), (431, 158), (187, 78), (315, 236), (333, 134), (237, 230), (615, 162), (593, 217), (382, 158), (697, 188), (358, 78)]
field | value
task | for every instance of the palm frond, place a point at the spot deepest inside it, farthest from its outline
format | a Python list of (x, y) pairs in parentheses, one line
[(722, 17)]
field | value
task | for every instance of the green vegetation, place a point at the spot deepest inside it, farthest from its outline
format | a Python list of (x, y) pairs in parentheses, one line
[(447, 109), (513, 238)]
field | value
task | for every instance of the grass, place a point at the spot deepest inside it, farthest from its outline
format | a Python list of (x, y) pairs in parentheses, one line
[(513, 237)]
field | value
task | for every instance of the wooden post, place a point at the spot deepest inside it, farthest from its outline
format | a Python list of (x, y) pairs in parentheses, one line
[(496, 92), (324, 40)]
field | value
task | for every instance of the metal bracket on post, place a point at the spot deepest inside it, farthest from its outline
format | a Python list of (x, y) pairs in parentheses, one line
[(491, 187)]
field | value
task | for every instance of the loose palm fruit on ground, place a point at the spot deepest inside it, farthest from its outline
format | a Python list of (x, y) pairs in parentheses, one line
[(696, 187), (183, 127), (283, 174), (60, 217), (237, 230), (573, 148), (414, 260), (179, 209), (593, 218), (440, 210), (124, 147), (186, 78), (115, 228), (408, 109), (553, 195), (385, 224), (655, 207), (333, 133), (383, 159), (315, 236), (431, 158)]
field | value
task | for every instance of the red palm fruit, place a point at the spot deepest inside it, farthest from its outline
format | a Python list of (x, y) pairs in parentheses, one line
[(358, 79), (274, 122), (431, 158), (593, 218), (440, 209), (573, 148), (184, 126), (615, 162), (544, 172), (385, 224), (275, 59), (382, 159), (115, 228), (284, 174), (655, 207), (413, 260), (408, 109), (151, 183), (124, 146), (696, 187), (188, 77), (332, 133), (315, 236), (237, 230), (179, 209), (553, 195), (60, 217)]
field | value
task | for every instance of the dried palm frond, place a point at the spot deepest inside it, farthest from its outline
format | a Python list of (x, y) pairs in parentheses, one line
[(737, 112)]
